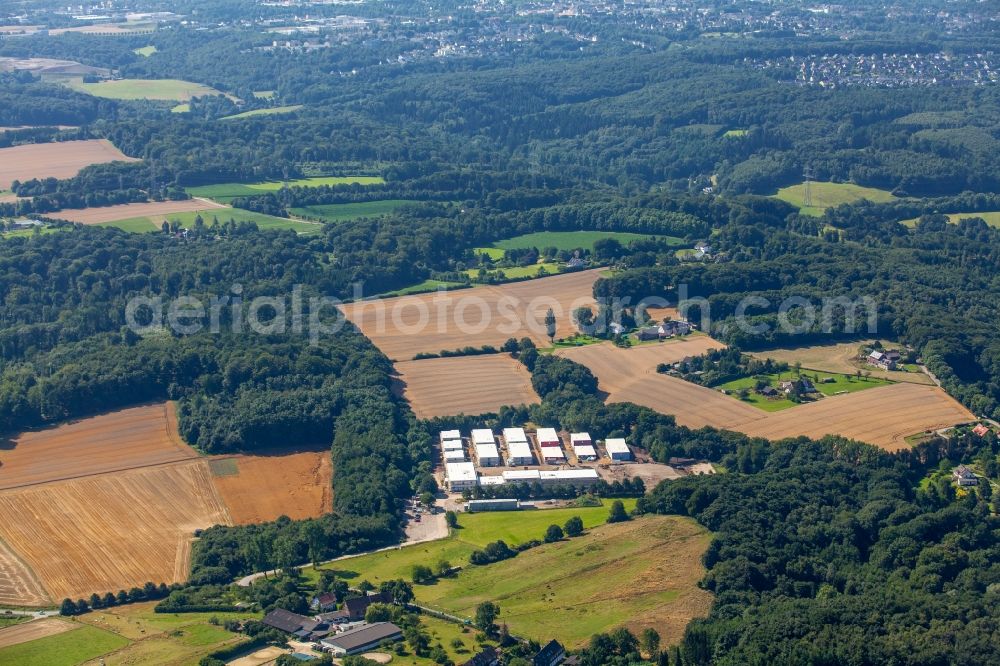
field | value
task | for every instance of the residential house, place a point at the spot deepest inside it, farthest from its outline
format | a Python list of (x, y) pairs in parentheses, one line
[(356, 607), (324, 602), (488, 657), (886, 360), (552, 654), (965, 477), (980, 430)]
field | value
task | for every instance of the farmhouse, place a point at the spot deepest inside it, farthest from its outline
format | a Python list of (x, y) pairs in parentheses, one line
[(618, 449), (980, 430), (473, 506), (547, 437), (357, 606), (487, 455), (362, 639), (460, 476), (965, 477), (667, 329), (886, 360), (488, 657), (552, 654), (519, 453)]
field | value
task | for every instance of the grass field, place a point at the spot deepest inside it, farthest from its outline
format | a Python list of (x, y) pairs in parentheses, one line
[(350, 211), (519, 272), (276, 110), (842, 358), (736, 132), (827, 195), (571, 240), (991, 218), (840, 384), (152, 223), (226, 192), (181, 108), (421, 288), (641, 573), (64, 649), (152, 89), (145, 51)]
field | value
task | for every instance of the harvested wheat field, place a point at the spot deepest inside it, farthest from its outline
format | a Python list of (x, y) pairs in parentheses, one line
[(126, 439), (132, 210), (641, 358), (404, 326), (883, 416), (259, 489), (465, 384), (108, 532), (18, 584), (62, 159), (841, 357), (29, 631)]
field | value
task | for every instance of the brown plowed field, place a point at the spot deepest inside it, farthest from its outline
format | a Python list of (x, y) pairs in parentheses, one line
[(883, 416), (129, 438), (18, 584), (62, 159), (465, 384), (404, 326), (29, 631), (107, 532), (128, 211), (297, 485)]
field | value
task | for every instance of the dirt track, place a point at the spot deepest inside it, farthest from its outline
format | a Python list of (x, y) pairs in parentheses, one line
[(465, 384), (407, 325), (297, 485), (129, 438), (129, 211), (107, 532), (62, 159)]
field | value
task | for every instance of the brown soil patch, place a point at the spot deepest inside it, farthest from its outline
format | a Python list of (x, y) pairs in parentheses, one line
[(18, 584), (108, 532), (29, 631), (882, 416), (129, 438), (842, 358), (132, 210), (407, 325), (298, 485), (465, 384), (62, 159)]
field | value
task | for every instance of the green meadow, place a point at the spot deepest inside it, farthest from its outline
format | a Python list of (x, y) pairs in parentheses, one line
[(350, 211), (153, 223), (271, 111), (840, 384), (152, 89), (226, 192), (571, 240), (66, 649), (827, 195), (145, 51)]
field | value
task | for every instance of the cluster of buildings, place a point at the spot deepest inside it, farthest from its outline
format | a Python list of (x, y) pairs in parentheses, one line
[(887, 70), (464, 459), (340, 632), (885, 360)]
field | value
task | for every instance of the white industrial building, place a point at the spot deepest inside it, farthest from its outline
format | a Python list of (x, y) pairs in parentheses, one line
[(519, 453), (553, 455), (447, 435), (580, 439), (483, 436), (521, 476), (576, 477), (460, 476), (452, 445), (455, 455), (585, 452), (548, 437), (474, 506), (618, 449), (514, 435), (491, 480), (487, 455)]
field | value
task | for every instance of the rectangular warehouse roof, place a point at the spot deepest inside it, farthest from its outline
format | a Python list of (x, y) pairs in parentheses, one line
[(514, 435), (491, 480), (456, 455), (547, 435), (487, 451), (580, 437), (518, 450), (482, 436), (569, 475), (450, 434), (462, 471), (552, 452), (518, 475), (582, 450), (616, 446), (452, 445)]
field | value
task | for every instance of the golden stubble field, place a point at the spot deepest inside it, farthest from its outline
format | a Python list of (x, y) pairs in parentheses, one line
[(882, 416), (464, 384), (405, 326), (261, 488), (62, 159), (129, 211)]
